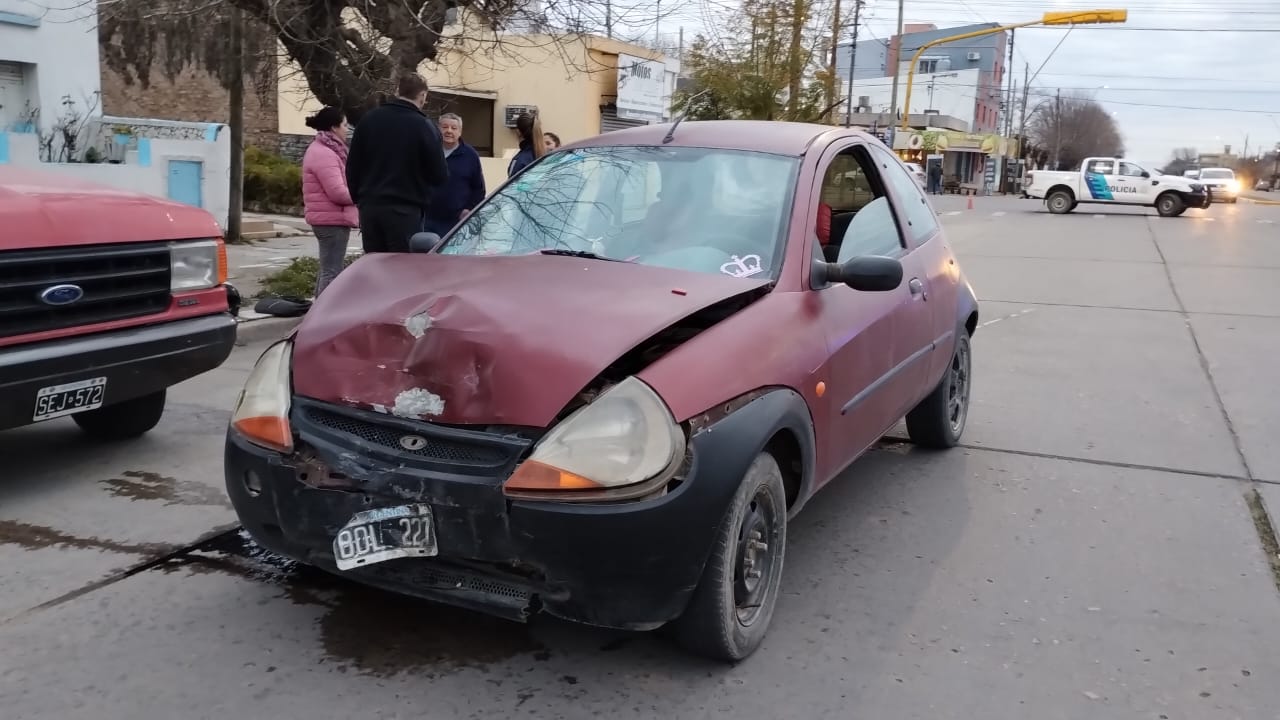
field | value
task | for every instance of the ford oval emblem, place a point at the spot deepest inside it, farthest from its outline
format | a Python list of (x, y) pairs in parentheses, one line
[(413, 443), (61, 295)]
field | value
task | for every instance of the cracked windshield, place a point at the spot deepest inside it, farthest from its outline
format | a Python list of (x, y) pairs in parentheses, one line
[(706, 210)]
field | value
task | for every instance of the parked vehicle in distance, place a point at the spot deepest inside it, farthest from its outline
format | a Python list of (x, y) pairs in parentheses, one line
[(917, 171), (1222, 183), (606, 391), (1116, 182), (1263, 184), (107, 298)]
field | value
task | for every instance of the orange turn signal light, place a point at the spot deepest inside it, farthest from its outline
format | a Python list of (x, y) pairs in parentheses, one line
[(222, 262), (272, 432), (533, 475)]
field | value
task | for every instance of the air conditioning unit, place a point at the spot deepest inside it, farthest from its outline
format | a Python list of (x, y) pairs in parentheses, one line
[(864, 101), (975, 55), (511, 112)]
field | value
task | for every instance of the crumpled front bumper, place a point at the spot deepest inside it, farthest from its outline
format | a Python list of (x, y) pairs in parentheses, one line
[(629, 565)]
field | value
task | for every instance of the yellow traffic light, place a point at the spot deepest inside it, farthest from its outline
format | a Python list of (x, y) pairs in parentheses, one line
[(1084, 17)]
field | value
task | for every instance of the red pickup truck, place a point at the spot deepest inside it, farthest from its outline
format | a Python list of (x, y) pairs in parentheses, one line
[(107, 298)]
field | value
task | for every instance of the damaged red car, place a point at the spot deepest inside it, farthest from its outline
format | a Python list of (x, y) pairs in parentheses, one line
[(603, 395)]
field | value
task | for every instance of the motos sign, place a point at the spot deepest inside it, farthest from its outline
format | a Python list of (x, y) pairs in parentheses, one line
[(642, 88)]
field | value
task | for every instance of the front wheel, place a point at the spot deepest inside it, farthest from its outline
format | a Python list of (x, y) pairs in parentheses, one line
[(1169, 205), (1060, 202), (729, 614), (939, 420), (125, 420), (1233, 201)]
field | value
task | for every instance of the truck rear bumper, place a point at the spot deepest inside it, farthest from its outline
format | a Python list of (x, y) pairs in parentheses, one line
[(135, 362)]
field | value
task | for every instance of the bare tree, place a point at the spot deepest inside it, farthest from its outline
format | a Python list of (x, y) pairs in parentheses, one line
[(349, 51), (1074, 127), (1183, 159)]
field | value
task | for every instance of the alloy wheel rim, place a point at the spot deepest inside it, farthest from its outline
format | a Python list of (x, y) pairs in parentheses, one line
[(753, 567), (958, 390)]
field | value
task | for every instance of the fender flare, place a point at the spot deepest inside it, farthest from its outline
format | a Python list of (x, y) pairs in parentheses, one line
[(776, 418)]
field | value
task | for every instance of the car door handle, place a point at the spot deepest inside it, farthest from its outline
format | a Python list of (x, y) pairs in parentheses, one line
[(916, 287)]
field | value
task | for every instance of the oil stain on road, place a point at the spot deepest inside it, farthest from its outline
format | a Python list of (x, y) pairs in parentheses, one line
[(365, 629), (140, 485)]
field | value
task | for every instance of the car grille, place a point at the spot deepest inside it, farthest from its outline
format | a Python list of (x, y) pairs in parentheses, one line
[(118, 282), (389, 437)]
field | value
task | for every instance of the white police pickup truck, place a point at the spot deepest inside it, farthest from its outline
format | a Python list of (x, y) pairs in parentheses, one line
[(1113, 181)]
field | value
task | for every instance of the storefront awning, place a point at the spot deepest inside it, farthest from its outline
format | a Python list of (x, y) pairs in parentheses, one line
[(481, 94)]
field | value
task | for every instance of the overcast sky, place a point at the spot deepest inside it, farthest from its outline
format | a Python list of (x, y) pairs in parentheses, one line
[(1225, 73)]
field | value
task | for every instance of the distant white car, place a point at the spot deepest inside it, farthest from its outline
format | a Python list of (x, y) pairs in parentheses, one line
[(917, 171), (1221, 182)]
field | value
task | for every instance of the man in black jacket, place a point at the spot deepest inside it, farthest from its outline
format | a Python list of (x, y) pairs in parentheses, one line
[(395, 163)]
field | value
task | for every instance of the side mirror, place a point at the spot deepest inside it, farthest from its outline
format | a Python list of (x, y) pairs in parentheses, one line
[(1146, 174), (869, 273), (423, 242)]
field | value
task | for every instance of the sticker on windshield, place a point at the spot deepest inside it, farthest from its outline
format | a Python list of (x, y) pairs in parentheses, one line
[(742, 267)]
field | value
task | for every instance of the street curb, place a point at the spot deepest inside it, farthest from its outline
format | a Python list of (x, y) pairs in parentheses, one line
[(264, 329)]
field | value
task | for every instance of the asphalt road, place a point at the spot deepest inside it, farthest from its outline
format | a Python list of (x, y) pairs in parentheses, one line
[(1089, 553)]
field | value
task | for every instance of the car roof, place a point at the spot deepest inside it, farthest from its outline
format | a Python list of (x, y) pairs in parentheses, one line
[(782, 138)]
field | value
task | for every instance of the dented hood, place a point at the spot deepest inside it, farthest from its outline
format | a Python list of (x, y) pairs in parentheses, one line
[(486, 340)]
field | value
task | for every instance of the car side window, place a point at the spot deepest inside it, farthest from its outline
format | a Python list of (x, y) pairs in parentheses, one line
[(849, 200), (1101, 167), (1128, 169), (921, 223)]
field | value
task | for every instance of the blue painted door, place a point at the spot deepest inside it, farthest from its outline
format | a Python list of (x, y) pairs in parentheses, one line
[(185, 183)]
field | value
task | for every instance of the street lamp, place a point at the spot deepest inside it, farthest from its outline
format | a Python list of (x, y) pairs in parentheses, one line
[(1070, 17)]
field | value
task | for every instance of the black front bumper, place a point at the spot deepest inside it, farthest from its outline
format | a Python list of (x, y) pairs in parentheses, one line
[(1202, 199), (629, 565), (135, 361)]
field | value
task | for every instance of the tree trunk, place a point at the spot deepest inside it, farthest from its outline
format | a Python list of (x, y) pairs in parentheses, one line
[(236, 91)]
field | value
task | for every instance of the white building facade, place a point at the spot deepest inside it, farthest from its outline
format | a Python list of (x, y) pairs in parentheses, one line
[(48, 63), (953, 93)]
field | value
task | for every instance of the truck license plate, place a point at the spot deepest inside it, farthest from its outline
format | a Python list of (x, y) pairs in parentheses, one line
[(374, 536), (59, 400)]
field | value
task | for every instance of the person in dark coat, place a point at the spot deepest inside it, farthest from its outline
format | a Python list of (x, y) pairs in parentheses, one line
[(395, 164), (532, 146), (465, 188), (935, 178)]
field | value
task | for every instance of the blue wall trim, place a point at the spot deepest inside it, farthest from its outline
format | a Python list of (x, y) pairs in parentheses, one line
[(144, 152), (211, 132), (13, 18), (4, 147)]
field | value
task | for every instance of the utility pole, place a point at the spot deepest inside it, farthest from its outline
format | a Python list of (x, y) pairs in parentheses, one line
[(835, 55), (608, 18), (853, 56), (1009, 100), (236, 121), (1022, 121), (897, 65)]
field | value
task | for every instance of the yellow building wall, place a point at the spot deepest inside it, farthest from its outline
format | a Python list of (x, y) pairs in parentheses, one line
[(566, 78)]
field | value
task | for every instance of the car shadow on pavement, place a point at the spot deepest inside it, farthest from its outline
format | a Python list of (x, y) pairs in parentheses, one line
[(858, 558)]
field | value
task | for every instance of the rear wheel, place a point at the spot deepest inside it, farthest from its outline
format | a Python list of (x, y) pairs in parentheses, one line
[(1233, 201), (1060, 202), (124, 420), (939, 420), (1170, 205), (729, 614)]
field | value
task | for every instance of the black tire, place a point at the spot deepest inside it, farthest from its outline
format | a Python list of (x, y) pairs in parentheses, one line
[(728, 616), (939, 420), (1060, 202), (1170, 205), (1233, 200), (125, 420)]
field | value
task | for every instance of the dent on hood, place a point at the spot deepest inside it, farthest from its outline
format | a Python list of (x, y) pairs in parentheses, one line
[(487, 342)]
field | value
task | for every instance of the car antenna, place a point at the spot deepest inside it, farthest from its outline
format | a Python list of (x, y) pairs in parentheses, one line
[(671, 134)]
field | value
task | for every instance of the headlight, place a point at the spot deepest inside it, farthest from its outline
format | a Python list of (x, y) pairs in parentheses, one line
[(624, 438), (262, 412), (1234, 186), (197, 265)]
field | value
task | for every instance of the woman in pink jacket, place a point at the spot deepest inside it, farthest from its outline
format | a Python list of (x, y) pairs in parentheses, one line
[(330, 212)]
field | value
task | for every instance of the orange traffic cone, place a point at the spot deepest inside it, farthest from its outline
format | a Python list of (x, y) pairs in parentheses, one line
[(971, 202)]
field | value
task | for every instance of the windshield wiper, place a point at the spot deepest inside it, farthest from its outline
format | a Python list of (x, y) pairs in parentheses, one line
[(578, 254)]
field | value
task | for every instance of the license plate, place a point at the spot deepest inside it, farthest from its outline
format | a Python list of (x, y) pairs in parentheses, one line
[(59, 400), (374, 536)]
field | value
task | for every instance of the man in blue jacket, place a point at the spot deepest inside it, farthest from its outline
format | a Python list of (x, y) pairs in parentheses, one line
[(465, 187)]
